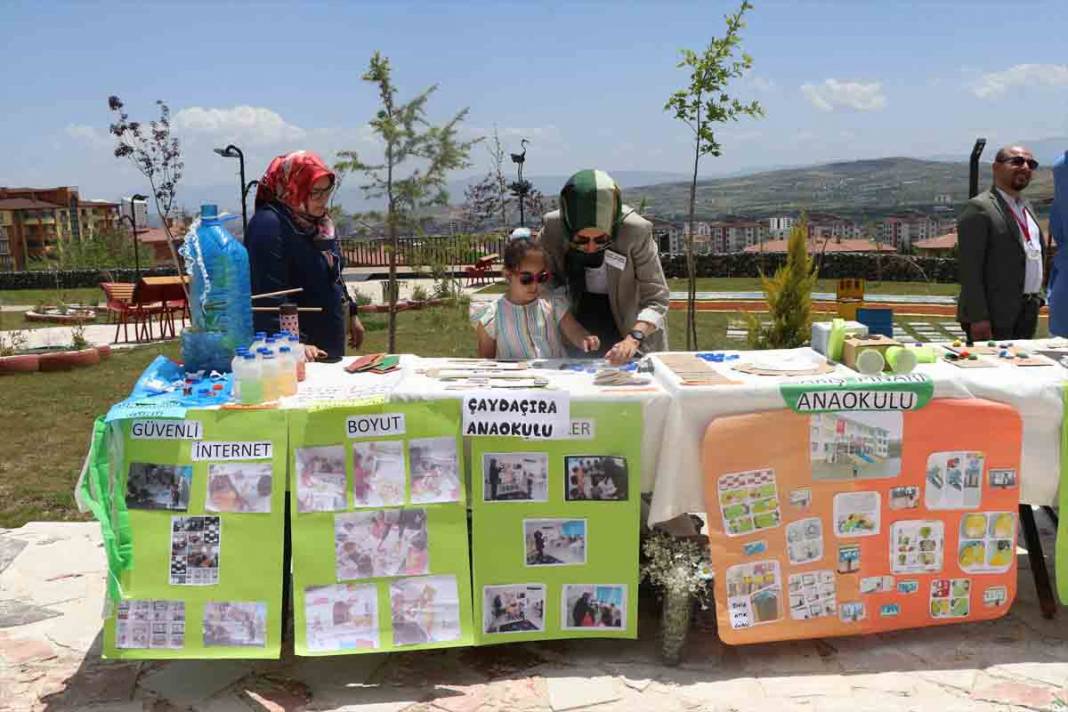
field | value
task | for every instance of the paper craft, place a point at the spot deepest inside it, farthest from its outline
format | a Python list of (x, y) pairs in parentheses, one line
[(856, 556), (616, 377), (195, 545), (150, 625), (789, 365), (694, 371)]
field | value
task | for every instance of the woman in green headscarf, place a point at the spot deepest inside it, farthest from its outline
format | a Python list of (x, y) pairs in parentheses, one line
[(603, 254)]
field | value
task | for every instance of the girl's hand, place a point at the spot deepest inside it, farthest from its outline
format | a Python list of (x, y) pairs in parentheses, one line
[(313, 352), (591, 343)]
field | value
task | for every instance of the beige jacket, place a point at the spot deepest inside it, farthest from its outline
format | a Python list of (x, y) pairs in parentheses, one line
[(637, 290)]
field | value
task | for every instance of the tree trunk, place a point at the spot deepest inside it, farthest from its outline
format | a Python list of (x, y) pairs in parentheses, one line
[(391, 218), (691, 266)]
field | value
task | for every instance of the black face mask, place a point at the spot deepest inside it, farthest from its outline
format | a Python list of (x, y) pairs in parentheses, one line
[(584, 260)]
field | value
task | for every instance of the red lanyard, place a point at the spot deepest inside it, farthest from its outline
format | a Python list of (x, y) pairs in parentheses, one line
[(1022, 223)]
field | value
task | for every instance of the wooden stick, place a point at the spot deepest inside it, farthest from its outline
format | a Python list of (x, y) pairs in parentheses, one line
[(274, 309), (278, 293)]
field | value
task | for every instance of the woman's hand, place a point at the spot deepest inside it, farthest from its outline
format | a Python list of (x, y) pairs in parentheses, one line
[(622, 352), (356, 332), (313, 352)]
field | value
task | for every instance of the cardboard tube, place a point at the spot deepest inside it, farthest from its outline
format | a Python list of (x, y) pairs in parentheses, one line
[(900, 359), (870, 362), (925, 354)]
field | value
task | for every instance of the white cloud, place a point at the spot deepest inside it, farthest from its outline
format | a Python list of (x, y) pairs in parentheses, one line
[(994, 84), (249, 125), (91, 135), (762, 84), (832, 94)]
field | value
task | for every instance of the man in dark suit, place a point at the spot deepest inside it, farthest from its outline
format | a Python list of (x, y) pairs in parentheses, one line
[(1000, 255)]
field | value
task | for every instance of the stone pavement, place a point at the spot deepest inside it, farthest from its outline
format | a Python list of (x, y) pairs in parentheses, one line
[(51, 592)]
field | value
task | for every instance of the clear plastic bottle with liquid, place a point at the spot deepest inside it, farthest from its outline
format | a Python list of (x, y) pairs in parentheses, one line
[(298, 356), (269, 375), (289, 371), (251, 383)]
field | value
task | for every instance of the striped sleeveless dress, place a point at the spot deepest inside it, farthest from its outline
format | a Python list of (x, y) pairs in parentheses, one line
[(525, 331)]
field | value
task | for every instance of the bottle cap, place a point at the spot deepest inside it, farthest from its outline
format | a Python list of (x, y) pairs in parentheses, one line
[(285, 350), (217, 387)]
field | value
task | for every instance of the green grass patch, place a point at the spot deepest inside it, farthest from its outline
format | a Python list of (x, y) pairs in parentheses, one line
[(752, 284), (33, 297)]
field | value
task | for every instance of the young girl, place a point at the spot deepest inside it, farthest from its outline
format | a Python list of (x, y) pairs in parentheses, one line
[(522, 324)]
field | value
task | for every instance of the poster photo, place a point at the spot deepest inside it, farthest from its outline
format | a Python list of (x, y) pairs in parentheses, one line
[(239, 487), (857, 514), (749, 501), (591, 606), (435, 470), (513, 608), (987, 542), (235, 624), (754, 593), (321, 479), (152, 486), (855, 445), (341, 617), (954, 480), (425, 610), (595, 478), (150, 624), (390, 542), (555, 542), (378, 473), (917, 546), (515, 477), (195, 545)]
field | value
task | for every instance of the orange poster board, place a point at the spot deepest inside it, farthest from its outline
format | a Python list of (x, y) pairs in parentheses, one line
[(844, 523)]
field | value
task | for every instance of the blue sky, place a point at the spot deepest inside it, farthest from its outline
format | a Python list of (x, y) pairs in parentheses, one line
[(586, 82)]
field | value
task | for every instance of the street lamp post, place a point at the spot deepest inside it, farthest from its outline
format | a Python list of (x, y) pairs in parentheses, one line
[(132, 217), (233, 151)]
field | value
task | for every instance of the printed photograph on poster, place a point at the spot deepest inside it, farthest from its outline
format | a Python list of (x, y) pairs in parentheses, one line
[(593, 606), (954, 480), (343, 616), (150, 624), (596, 478), (1002, 479), (513, 608), (804, 540), (754, 593), (195, 546), (848, 558), (950, 598), (987, 542), (239, 487), (233, 624), (855, 445), (425, 610), (904, 497), (321, 479), (515, 477), (555, 542), (378, 473), (749, 501), (151, 486), (435, 470), (877, 584), (916, 547), (390, 542), (852, 612), (856, 514), (812, 595)]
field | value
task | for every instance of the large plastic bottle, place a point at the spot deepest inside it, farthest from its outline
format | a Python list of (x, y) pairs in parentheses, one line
[(219, 294), (251, 381), (289, 373), (269, 375)]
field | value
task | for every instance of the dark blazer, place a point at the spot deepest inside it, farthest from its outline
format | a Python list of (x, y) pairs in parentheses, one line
[(281, 257), (990, 261)]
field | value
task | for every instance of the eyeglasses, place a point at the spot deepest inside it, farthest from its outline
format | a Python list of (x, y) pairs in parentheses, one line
[(528, 278), (320, 193), (1019, 161), (582, 240)]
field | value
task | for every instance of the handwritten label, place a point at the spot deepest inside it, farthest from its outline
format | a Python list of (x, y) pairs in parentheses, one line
[(518, 413)]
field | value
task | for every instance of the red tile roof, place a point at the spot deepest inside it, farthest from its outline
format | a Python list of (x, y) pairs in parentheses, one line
[(943, 242), (158, 234), (27, 204)]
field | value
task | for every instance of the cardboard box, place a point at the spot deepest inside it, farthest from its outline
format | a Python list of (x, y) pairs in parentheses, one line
[(855, 345)]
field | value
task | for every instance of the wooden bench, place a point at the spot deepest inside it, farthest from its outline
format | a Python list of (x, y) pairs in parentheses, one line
[(478, 274), (125, 308)]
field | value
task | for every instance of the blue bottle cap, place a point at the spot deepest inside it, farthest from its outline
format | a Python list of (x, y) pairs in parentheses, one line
[(285, 350), (209, 211)]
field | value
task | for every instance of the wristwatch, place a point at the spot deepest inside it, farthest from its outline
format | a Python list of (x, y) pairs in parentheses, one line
[(638, 335)]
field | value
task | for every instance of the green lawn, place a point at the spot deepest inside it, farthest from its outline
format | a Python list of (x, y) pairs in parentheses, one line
[(752, 284), (33, 297), (14, 320)]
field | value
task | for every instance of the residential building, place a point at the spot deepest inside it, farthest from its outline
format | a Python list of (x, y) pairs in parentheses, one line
[(941, 246), (34, 221), (902, 231), (823, 245), (833, 435), (823, 226), (779, 227)]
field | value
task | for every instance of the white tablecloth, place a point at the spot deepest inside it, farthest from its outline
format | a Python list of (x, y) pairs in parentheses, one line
[(678, 487)]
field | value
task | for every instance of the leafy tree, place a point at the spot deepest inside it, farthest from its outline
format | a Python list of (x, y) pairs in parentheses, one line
[(789, 297), (416, 159), (701, 104)]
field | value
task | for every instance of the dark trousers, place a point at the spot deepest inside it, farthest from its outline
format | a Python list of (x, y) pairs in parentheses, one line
[(1023, 328)]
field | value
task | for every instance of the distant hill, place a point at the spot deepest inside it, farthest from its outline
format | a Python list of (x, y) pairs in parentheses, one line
[(853, 188)]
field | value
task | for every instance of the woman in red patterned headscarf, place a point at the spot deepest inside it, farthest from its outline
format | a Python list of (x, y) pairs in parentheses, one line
[(291, 244)]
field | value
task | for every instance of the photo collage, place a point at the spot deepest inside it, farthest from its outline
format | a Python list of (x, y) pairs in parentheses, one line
[(553, 543), (773, 524), (381, 494)]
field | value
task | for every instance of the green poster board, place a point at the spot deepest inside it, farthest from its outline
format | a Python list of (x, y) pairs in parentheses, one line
[(205, 497), (379, 527), (1061, 548), (555, 527)]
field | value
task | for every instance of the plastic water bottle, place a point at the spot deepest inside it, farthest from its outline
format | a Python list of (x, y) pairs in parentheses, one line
[(269, 376), (250, 380), (289, 380), (220, 293), (258, 341), (298, 356), (235, 371)]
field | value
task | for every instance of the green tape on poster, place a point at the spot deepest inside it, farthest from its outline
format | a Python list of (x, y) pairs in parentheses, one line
[(555, 528), (205, 497), (1061, 552), (379, 527)]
